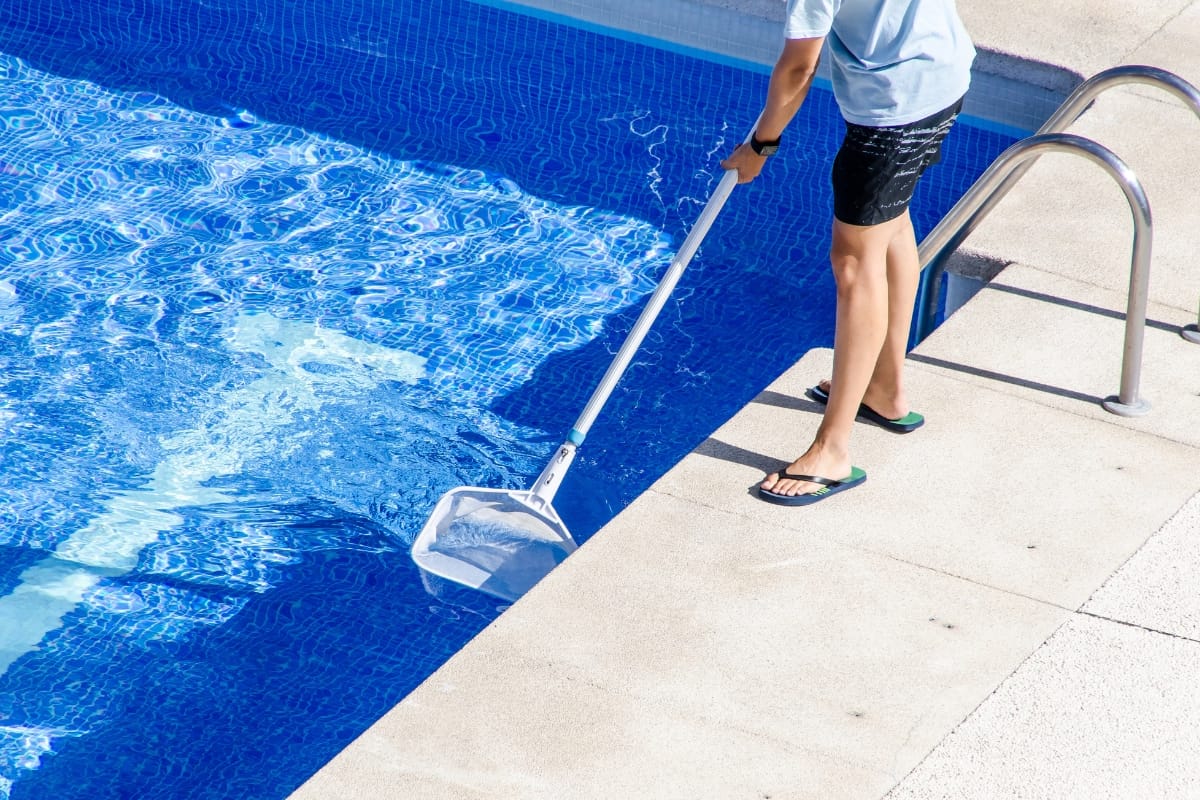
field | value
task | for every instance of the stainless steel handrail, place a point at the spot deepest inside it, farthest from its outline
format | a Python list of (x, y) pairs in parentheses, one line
[(990, 189), (947, 236), (1074, 106)]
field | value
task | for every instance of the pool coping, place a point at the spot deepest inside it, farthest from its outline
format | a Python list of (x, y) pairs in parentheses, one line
[(1012, 92), (919, 636)]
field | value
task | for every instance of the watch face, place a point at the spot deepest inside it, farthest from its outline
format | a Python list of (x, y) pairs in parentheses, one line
[(768, 149)]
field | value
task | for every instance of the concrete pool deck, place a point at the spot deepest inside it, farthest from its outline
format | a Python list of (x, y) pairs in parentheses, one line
[(1007, 608)]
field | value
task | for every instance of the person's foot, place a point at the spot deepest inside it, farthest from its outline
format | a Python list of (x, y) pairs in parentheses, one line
[(816, 461), (892, 406)]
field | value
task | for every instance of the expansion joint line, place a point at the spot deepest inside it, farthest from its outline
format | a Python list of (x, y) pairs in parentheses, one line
[(1156, 32), (1139, 627)]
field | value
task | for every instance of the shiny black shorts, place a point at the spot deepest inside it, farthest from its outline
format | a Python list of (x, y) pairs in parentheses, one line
[(876, 169)]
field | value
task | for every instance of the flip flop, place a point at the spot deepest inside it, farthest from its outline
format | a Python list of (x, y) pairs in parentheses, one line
[(829, 487), (906, 424)]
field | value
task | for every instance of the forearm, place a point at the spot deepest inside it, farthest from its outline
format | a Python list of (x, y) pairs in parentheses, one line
[(789, 84), (785, 95), (790, 81)]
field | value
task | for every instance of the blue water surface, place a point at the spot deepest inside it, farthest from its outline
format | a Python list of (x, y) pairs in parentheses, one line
[(276, 274)]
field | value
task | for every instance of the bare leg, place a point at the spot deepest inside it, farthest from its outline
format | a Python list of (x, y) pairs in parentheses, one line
[(863, 259), (885, 392)]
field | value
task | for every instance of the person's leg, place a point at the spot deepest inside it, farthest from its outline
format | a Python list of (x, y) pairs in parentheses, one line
[(862, 259), (885, 393)]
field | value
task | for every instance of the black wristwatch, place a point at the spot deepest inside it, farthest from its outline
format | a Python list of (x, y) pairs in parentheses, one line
[(763, 148)]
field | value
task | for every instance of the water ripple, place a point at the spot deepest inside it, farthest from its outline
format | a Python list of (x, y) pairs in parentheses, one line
[(228, 345)]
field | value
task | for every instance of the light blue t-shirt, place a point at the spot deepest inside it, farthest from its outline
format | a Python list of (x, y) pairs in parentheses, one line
[(894, 61)]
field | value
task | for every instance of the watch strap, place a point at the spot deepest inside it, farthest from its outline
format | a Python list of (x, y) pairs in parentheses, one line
[(763, 148)]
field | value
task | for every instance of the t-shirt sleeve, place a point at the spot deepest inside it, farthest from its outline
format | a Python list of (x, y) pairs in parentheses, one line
[(809, 19)]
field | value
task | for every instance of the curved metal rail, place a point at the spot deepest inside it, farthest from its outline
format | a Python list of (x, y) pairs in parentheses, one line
[(951, 232), (990, 189), (1074, 106)]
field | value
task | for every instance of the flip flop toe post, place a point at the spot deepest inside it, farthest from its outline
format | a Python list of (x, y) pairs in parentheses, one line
[(828, 488)]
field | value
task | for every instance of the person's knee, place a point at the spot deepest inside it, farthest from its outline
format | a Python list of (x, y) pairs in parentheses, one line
[(846, 265), (853, 274), (856, 257)]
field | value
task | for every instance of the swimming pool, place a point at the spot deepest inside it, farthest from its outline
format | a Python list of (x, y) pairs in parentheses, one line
[(274, 277)]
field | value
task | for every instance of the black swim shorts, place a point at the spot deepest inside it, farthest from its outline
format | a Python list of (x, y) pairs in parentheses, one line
[(876, 170)]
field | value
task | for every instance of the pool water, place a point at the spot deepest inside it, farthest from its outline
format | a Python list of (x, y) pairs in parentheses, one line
[(273, 277)]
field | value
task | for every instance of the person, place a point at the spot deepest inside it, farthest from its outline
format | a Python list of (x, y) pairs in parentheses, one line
[(899, 70)]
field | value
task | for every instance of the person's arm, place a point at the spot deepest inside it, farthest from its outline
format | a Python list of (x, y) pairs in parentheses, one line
[(790, 79)]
